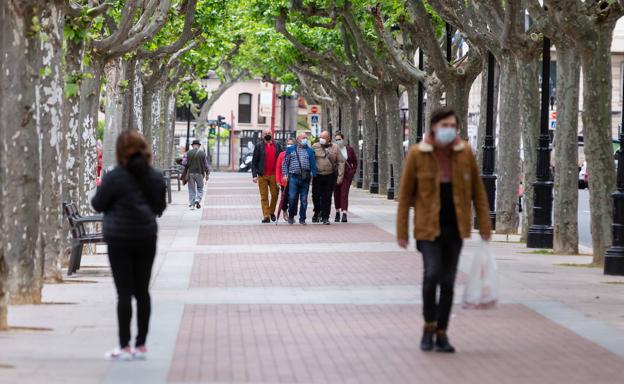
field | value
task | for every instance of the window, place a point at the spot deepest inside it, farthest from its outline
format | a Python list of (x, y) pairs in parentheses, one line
[(261, 118), (244, 108)]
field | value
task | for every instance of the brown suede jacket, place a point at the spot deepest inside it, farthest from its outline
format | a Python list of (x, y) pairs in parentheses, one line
[(329, 160), (420, 188)]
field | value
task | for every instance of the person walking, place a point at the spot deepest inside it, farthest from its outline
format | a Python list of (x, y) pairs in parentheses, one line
[(341, 191), (299, 168), (196, 163), (263, 172), (131, 196), (330, 167), (279, 176), (441, 180)]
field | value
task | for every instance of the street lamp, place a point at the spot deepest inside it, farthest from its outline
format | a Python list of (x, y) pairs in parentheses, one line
[(489, 148), (421, 94), (614, 256), (360, 177), (188, 128), (540, 234)]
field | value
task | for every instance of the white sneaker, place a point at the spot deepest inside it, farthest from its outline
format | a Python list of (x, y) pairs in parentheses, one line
[(139, 353), (192, 207), (119, 354)]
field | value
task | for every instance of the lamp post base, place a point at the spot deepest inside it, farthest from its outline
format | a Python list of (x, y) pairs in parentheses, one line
[(614, 261), (540, 236), (374, 188), (391, 193)]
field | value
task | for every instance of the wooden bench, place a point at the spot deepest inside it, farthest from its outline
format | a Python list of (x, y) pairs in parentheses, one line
[(80, 234)]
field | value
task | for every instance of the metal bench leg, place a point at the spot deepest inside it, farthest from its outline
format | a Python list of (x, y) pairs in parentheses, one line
[(179, 187), (76, 249), (169, 190), (79, 258)]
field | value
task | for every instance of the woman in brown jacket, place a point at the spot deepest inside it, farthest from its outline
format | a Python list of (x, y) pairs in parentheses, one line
[(441, 181)]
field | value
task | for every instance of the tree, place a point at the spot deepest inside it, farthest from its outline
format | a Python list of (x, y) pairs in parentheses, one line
[(590, 26), (20, 150)]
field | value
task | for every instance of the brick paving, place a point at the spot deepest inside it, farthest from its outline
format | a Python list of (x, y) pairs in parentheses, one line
[(305, 236), (379, 344)]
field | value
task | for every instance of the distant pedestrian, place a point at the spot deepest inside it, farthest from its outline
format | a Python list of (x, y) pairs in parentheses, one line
[(263, 171), (299, 168), (279, 176), (441, 180), (330, 167), (341, 191), (131, 196), (196, 163)]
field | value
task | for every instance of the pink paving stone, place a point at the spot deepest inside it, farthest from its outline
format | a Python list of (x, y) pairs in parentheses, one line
[(291, 234), (232, 191), (379, 344), (225, 199), (306, 269), (216, 213)]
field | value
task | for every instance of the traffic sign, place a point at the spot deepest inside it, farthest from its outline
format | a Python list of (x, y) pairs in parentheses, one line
[(314, 119), (314, 109)]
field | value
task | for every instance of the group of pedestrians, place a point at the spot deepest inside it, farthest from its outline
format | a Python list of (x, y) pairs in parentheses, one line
[(440, 180), (328, 165)]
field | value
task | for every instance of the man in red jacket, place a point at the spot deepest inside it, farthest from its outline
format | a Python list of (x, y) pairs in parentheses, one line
[(263, 171)]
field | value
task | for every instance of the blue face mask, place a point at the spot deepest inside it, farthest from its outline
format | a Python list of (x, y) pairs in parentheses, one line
[(304, 142), (445, 135)]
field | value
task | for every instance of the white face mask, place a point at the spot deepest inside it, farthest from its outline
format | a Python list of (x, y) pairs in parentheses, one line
[(322, 141), (304, 142), (339, 142), (445, 135)]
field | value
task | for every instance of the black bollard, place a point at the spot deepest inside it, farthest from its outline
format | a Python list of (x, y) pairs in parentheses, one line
[(391, 189), (374, 186), (360, 176), (540, 234)]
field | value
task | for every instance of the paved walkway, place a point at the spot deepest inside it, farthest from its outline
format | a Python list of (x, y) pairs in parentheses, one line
[(239, 301)]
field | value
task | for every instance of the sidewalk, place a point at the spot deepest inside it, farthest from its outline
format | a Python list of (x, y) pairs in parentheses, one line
[(239, 301)]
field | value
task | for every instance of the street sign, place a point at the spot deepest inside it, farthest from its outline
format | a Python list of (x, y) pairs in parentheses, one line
[(314, 119), (314, 109)]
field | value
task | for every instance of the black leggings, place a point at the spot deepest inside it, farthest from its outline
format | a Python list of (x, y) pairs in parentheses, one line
[(440, 258), (131, 263)]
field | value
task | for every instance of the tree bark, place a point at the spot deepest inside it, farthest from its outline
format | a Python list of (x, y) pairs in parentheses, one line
[(129, 71), (49, 118), (369, 135), (508, 162), (565, 205), (89, 108), (457, 94), (155, 137), (114, 107), (382, 143), (71, 121), (434, 94), (4, 286), (528, 70), (596, 63), (20, 154), (394, 133), (147, 112)]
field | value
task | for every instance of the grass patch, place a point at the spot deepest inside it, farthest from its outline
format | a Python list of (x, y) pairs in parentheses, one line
[(613, 282), (6, 366), (72, 281), (29, 329), (539, 252), (578, 265)]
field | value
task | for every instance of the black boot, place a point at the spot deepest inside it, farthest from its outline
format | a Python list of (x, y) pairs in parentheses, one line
[(337, 219), (315, 218), (344, 217), (442, 343), (426, 343)]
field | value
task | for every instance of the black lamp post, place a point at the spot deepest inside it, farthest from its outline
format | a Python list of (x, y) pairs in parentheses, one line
[(540, 234), (374, 186), (360, 176), (449, 42), (421, 94), (614, 256), (188, 128), (489, 147)]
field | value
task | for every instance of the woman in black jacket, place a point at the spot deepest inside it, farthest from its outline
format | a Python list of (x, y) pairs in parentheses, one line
[(131, 196)]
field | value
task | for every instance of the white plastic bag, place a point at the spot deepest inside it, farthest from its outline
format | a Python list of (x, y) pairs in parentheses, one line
[(481, 291)]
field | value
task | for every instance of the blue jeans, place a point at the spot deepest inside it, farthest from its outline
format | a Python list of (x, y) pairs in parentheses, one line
[(297, 189)]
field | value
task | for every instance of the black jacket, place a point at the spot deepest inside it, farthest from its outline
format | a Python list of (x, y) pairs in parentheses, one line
[(129, 206), (257, 162)]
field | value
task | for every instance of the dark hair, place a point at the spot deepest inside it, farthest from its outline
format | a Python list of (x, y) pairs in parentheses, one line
[(133, 152), (339, 134), (441, 114)]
